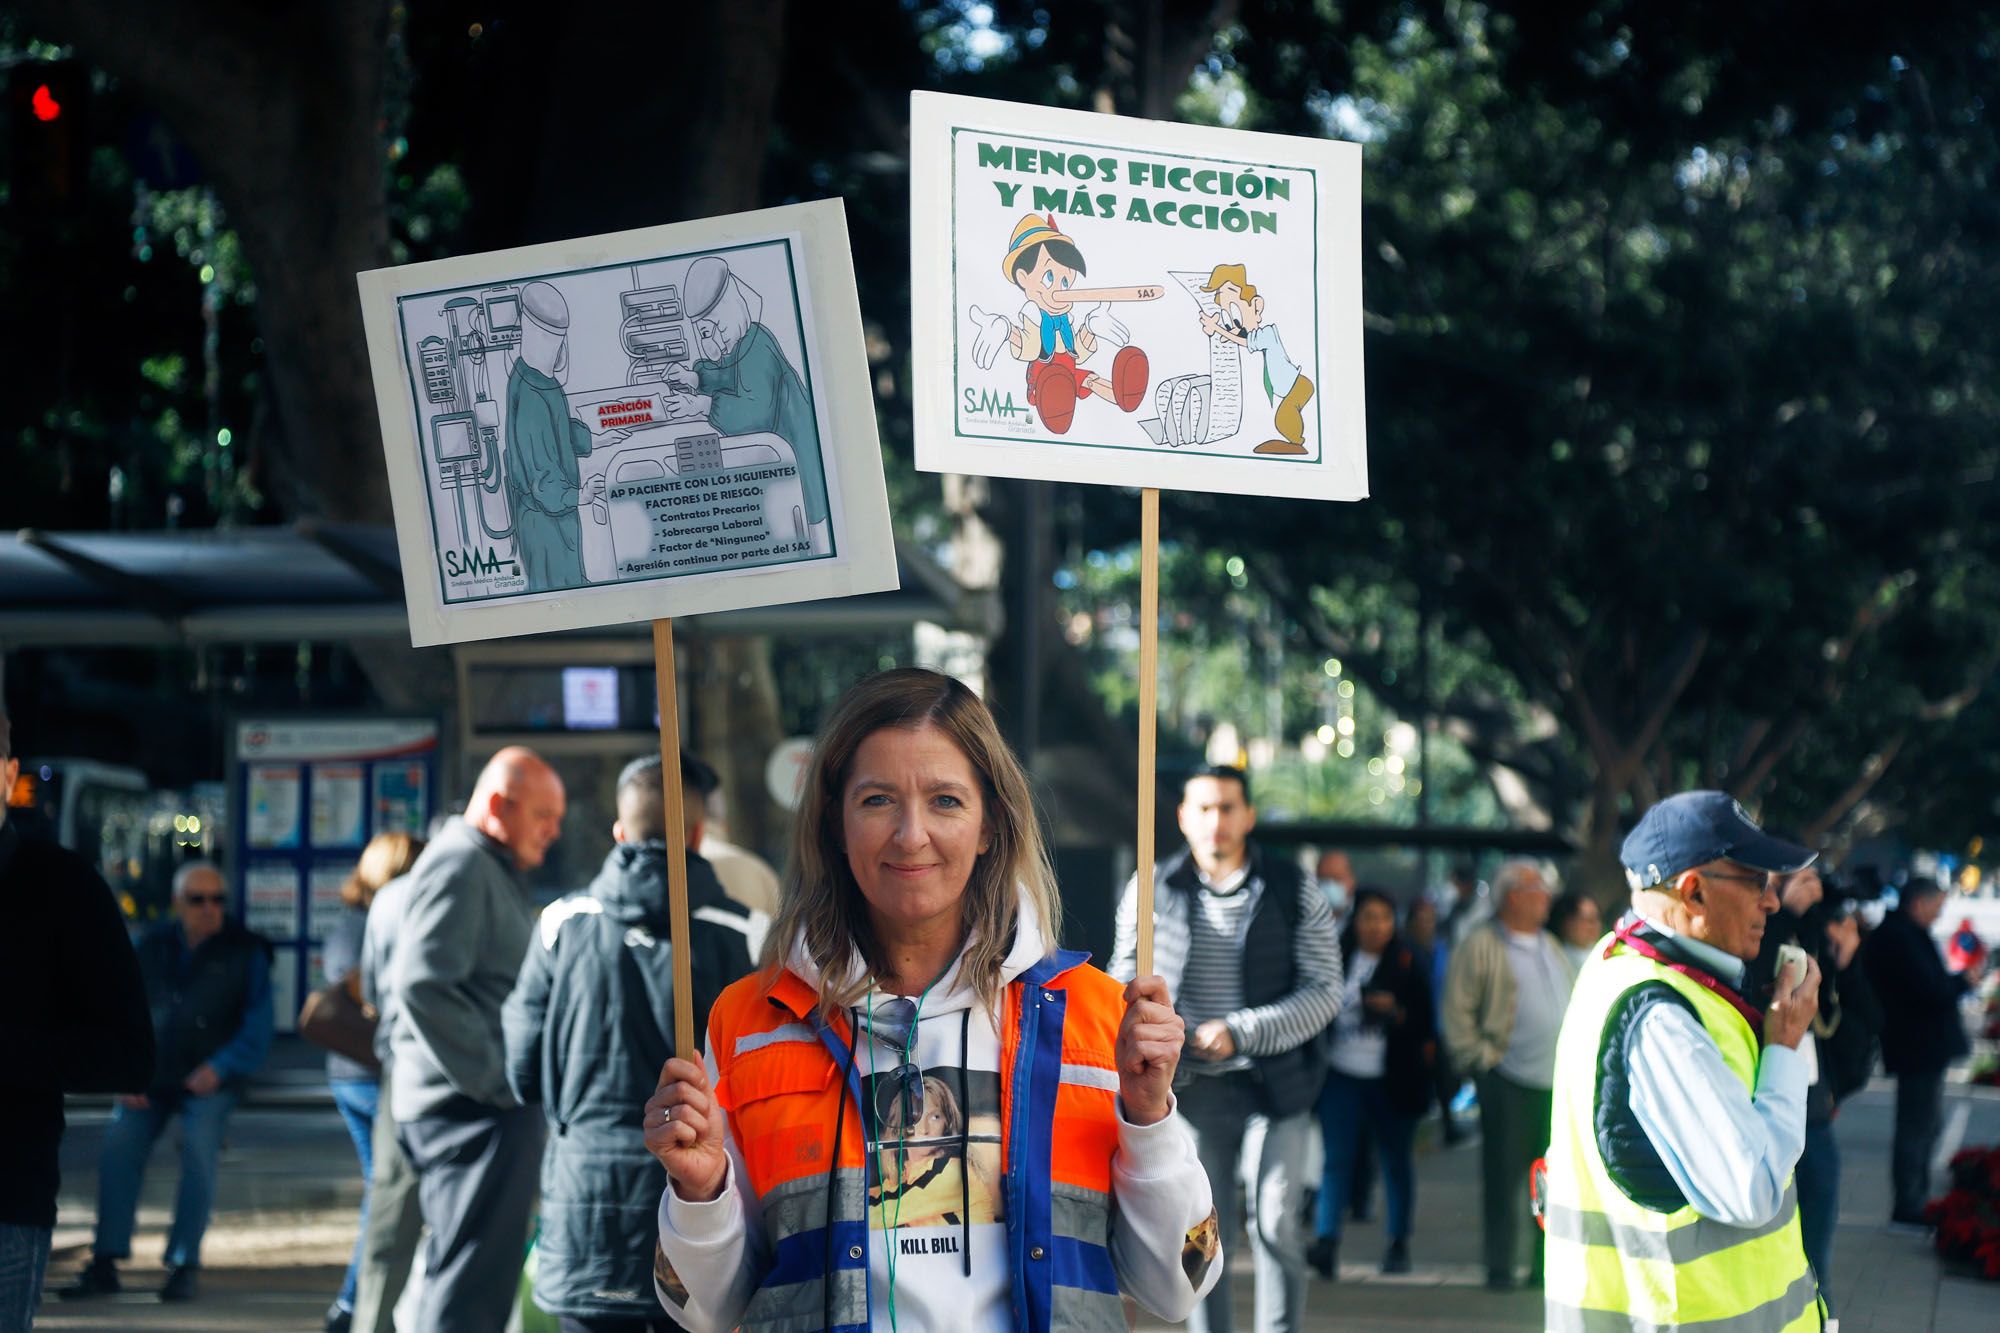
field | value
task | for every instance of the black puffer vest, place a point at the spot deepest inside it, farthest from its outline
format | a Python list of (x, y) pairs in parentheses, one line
[(1289, 1082), (198, 1000), (1630, 1158)]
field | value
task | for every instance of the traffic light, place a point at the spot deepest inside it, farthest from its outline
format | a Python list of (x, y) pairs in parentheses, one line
[(48, 146), (43, 105)]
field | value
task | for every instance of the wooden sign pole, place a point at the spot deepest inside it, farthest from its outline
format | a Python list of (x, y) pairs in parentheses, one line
[(1149, 676), (677, 871)]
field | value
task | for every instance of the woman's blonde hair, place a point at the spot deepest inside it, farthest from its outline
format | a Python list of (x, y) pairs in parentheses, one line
[(822, 906), (387, 856)]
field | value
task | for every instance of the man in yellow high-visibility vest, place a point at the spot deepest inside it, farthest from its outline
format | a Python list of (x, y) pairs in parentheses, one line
[(1680, 1101)]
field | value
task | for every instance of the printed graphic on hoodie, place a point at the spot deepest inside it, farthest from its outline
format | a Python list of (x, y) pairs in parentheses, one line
[(935, 1134)]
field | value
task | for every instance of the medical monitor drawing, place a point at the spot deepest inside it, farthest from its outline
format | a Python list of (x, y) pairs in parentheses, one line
[(453, 438), (503, 313)]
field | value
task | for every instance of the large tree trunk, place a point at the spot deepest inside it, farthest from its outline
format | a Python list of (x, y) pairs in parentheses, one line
[(284, 108), (735, 700), (707, 158), (1075, 751), (722, 162)]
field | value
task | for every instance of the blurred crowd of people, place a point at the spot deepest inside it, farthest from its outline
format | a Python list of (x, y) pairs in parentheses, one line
[(482, 1054), (1497, 965), (489, 1059)]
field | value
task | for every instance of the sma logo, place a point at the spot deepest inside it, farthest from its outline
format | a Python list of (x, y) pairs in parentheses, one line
[(458, 564), (986, 403)]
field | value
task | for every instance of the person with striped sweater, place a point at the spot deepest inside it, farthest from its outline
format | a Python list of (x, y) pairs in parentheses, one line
[(1246, 943)]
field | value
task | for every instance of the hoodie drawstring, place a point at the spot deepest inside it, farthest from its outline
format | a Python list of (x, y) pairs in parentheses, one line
[(964, 1141)]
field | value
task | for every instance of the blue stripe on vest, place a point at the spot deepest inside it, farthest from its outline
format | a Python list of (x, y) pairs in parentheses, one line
[(850, 1233), (802, 1257), (1017, 1137), (1044, 1077), (1030, 1290), (1057, 963), (1080, 1264)]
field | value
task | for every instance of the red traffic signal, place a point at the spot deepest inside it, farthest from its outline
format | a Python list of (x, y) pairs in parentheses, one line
[(45, 143)]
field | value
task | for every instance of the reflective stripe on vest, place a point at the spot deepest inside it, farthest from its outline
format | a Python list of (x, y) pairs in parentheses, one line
[(779, 1080), (791, 1294), (1614, 1265), (1779, 1313), (1679, 1245)]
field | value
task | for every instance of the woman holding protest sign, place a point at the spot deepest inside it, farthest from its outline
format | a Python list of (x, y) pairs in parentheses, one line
[(916, 1035)]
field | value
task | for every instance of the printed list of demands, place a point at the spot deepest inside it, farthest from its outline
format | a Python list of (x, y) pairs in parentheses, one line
[(707, 521)]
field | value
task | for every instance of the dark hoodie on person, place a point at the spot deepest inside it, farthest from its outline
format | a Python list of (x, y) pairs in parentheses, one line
[(73, 1014), (587, 1028)]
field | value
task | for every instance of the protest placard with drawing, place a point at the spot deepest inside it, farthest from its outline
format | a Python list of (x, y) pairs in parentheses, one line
[(1110, 300)]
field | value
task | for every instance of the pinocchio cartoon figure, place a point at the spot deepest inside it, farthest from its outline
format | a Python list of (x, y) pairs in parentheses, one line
[(1054, 336)]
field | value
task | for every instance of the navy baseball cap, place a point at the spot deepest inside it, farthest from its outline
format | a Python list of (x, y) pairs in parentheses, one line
[(1697, 827)]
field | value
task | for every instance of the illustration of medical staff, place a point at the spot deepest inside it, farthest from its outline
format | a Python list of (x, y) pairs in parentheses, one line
[(742, 383), (1239, 317), (544, 442), (1045, 265)]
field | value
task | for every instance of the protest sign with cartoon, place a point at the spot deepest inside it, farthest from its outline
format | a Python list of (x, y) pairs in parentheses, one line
[(632, 427), (627, 427), (1110, 300)]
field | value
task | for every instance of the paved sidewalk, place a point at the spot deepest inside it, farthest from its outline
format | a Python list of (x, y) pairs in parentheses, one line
[(1890, 1280), (285, 1216)]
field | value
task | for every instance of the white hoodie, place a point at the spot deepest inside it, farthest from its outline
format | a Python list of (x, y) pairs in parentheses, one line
[(941, 1225)]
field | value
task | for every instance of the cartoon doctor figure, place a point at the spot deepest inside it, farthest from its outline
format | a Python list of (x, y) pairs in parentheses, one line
[(742, 382), (1239, 317), (544, 442)]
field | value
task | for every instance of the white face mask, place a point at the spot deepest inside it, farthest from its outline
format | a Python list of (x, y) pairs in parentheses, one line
[(1336, 894)]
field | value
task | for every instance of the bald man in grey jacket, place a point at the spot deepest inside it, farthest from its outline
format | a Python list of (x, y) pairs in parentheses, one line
[(465, 923)]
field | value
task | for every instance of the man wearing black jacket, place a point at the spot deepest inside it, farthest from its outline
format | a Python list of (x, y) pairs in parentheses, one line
[(1921, 1034), (1842, 1042), (72, 1019), (588, 1026), (208, 985)]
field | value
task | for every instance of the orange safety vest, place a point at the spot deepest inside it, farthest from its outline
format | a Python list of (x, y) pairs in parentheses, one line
[(802, 1141)]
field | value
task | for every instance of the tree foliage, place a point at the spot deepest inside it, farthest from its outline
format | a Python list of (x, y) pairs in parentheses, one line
[(1680, 405), (1679, 363)]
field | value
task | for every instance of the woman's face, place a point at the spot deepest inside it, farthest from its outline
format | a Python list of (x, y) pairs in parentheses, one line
[(936, 1122), (1374, 925), (913, 821), (1585, 926)]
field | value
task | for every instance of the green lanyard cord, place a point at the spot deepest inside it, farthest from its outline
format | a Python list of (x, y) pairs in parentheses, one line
[(902, 1143)]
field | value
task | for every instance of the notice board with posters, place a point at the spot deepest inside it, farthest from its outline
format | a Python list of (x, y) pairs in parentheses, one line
[(1127, 302), (306, 793)]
